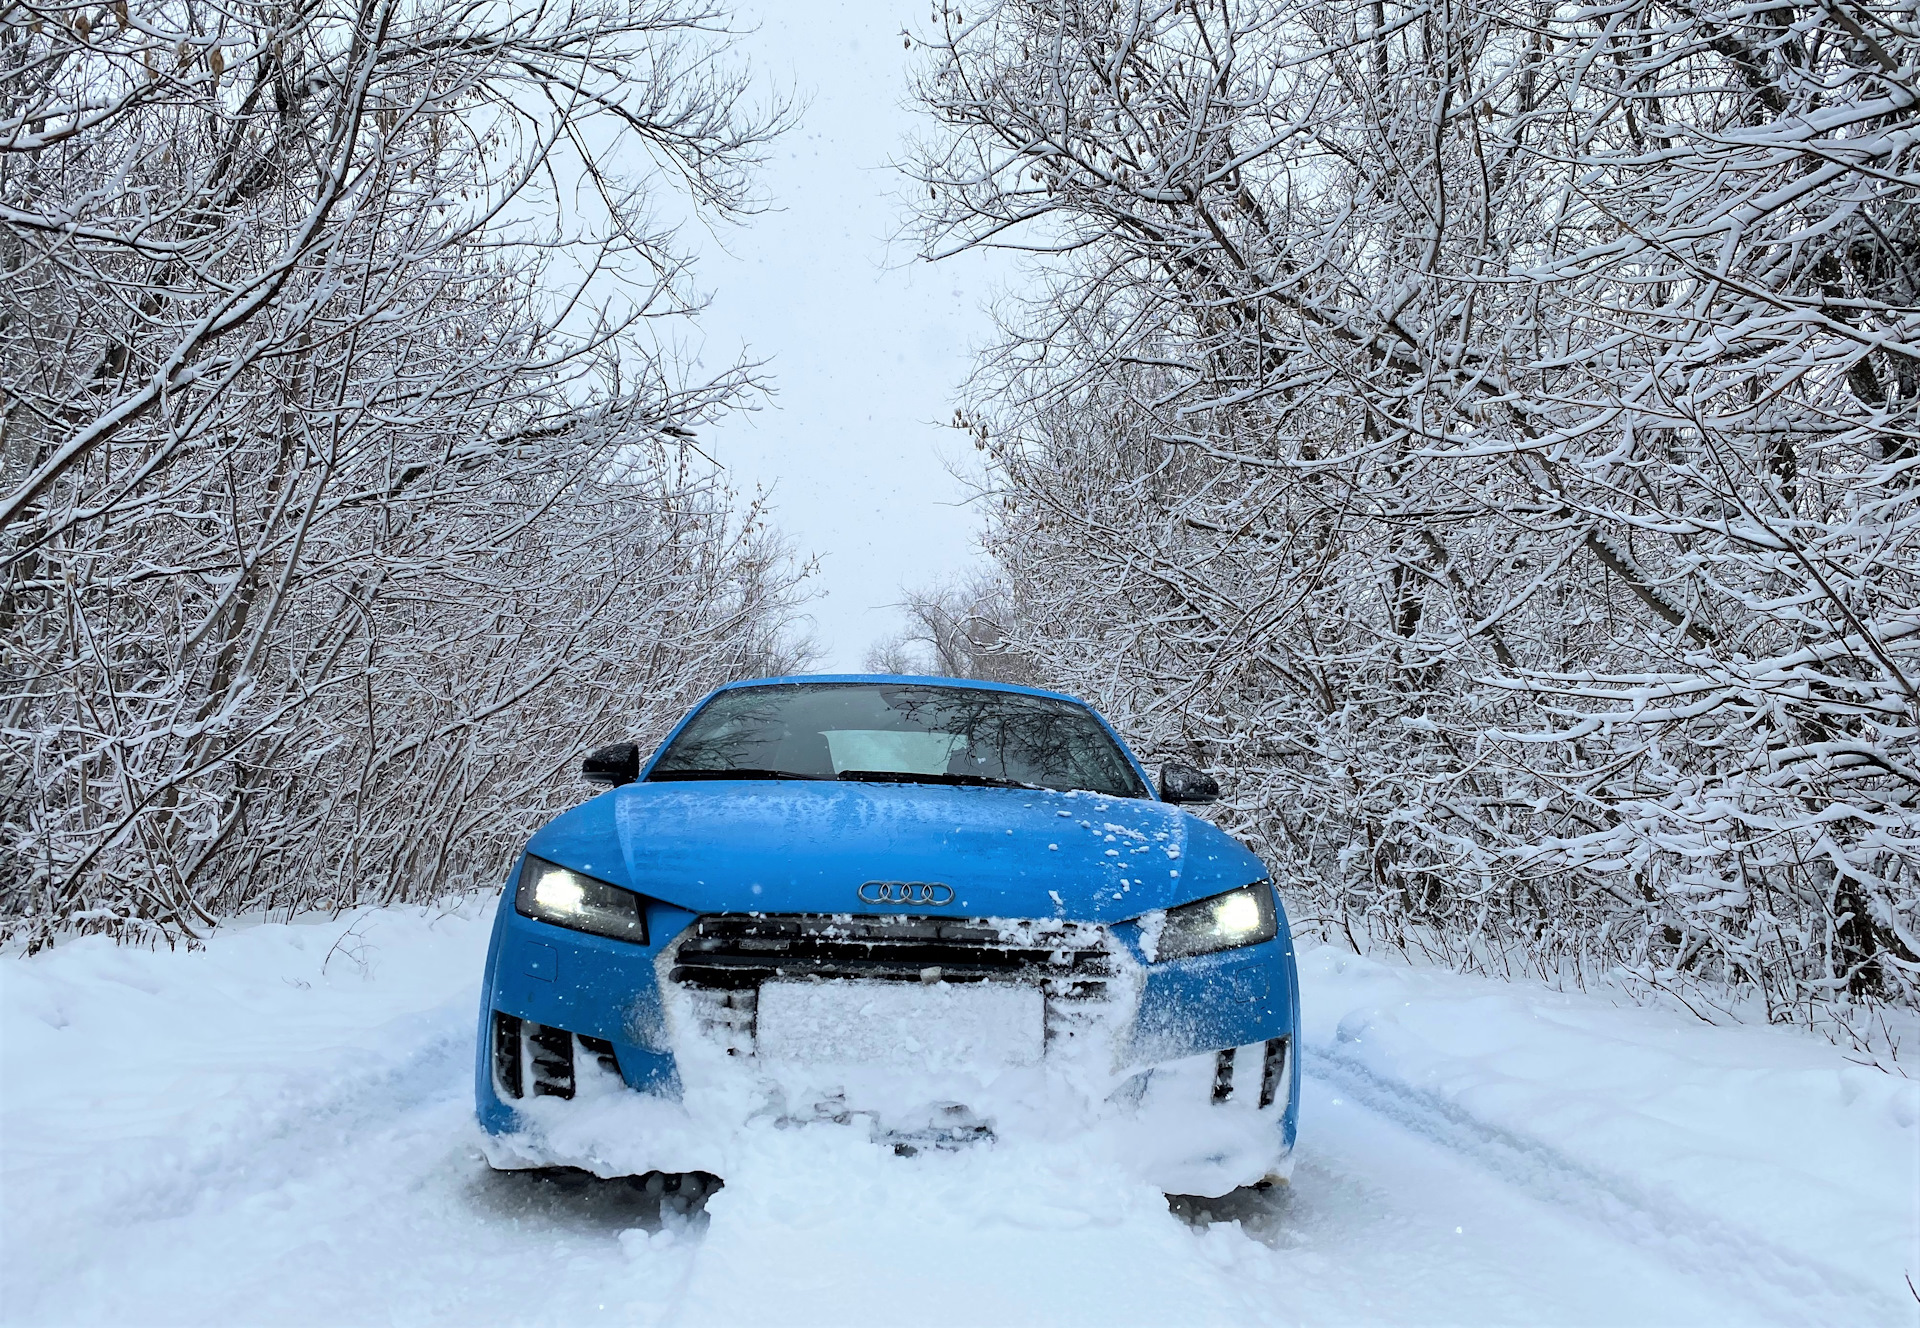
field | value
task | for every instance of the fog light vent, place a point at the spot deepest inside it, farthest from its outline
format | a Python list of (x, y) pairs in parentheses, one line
[(1223, 1075), (506, 1054), (602, 1051), (1274, 1072), (551, 1056)]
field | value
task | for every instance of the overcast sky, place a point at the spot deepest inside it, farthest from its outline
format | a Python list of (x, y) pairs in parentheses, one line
[(867, 345)]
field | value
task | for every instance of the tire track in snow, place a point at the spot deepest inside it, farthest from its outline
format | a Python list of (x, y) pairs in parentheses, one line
[(1776, 1279), (313, 1120)]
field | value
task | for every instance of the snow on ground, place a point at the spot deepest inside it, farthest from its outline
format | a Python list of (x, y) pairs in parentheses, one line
[(277, 1129)]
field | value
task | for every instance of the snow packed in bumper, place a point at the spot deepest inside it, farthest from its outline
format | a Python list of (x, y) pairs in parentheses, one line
[(925, 1030)]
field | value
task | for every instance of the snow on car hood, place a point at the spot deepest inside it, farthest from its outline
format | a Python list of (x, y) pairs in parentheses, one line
[(804, 847)]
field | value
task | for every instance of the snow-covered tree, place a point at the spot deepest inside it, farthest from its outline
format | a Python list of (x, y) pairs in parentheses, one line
[(956, 630), (1486, 431), (347, 483)]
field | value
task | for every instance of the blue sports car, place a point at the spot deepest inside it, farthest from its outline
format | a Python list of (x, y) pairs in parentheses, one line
[(921, 905)]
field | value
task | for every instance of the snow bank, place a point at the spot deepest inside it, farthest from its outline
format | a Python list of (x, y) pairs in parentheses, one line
[(1719, 1145), (135, 1081)]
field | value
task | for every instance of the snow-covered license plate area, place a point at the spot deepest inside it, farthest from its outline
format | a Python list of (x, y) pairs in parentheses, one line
[(277, 1129), (937, 1025)]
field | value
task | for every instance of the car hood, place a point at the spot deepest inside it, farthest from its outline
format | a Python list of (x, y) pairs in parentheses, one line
[(804, 847)]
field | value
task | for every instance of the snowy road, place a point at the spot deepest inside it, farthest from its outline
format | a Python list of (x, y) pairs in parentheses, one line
[(277, 1130)]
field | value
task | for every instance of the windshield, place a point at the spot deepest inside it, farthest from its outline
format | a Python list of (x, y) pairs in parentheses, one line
[(899, 733)]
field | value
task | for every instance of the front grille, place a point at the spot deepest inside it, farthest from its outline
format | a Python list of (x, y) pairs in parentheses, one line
[(724, 957), (736, 951)]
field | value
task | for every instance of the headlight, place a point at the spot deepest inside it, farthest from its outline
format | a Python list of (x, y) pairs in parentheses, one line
[(1225, 922), (565, 898)]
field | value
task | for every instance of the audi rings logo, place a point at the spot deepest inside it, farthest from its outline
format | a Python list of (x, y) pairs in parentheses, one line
[(906, 892)]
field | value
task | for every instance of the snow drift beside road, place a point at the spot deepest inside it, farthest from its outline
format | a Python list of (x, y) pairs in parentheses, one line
[(1720, 1145), (277, 1128)]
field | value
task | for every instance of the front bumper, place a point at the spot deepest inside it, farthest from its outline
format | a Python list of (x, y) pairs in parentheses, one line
[(560, 1007)]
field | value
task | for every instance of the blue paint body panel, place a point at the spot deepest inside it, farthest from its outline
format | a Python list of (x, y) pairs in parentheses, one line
[(734, 846)]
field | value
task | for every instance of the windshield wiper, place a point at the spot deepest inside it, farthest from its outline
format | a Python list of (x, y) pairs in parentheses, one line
[(917, 777), (744, 773)]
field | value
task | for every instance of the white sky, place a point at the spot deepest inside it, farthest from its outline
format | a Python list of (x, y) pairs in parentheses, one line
[(867, 346)]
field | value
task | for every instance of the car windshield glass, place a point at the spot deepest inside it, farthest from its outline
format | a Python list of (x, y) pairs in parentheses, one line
[(899, 733)]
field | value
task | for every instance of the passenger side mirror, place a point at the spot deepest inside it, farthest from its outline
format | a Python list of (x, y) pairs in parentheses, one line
[(615, 765), (1180, 782)]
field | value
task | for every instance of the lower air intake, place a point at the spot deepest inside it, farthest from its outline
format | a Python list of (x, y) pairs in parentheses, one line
[(551, 1056), (1233, 1071), (507, 1078), (1273, 1073), (537, 1058)]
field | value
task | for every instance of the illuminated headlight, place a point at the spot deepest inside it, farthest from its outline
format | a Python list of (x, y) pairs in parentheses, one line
[(1225, 922), (565, 898)]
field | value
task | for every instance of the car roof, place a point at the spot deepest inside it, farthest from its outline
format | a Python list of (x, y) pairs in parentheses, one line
[(925, 679)]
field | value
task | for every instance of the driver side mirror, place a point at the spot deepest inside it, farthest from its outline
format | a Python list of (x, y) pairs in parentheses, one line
[(1180, 782), (615, 765)]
